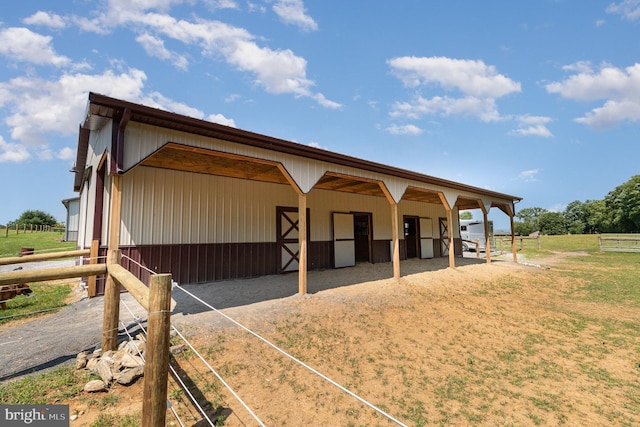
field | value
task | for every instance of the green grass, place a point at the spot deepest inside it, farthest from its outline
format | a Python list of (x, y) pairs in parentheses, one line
[(10, 245), (44, 299), (44, 296), (51, 387)]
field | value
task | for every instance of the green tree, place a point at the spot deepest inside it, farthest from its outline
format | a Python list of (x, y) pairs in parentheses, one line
[(623, 204), (598, 218), (466, 215), (35, 217), (529, 220), (575, 216), (552, 223)]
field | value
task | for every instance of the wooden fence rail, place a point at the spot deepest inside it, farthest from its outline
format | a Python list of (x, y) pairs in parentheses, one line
[(156, 299), (619, 242), (522, 239)]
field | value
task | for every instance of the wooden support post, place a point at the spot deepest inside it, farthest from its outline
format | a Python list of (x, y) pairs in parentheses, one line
[(452, 249), (302, 244), (112, 289), (487, 237), (396, 241), (93, 259), (111, 306), (6, 231), (513, 239), (156, 367), (17, 228)]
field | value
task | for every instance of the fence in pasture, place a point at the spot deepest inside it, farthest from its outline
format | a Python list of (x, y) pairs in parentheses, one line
[(505, 242), (156, 299), (619, 242), (30, 228)]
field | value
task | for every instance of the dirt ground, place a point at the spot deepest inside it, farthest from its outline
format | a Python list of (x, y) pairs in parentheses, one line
[(496, 344)]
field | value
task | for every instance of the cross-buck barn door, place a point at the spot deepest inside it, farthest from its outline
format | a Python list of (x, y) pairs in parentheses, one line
[(288, 245), (426, 238), (444, 237), (344, 243)]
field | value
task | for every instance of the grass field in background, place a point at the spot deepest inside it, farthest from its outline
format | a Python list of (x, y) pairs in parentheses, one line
[(45, 296), (44, 240)]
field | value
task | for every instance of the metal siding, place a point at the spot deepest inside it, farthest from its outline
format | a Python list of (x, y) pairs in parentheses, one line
[(163, 207)]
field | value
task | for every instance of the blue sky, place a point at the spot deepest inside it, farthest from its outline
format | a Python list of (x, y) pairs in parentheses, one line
[(535, 99)]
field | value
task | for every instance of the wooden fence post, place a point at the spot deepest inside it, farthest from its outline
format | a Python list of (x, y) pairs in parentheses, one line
[(93, 259), (6, 231), (156, 367), (111, 306)]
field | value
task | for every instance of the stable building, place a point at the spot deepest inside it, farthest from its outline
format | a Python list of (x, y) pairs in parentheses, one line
[(208, 202)]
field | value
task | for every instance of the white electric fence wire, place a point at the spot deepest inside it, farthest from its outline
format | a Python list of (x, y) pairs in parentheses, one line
[(32, 312), (126, 331), (301, 363), (138, 264), (184, 386), (255, 417)]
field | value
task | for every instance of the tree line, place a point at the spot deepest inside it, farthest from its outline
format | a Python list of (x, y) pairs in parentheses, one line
[(35, 217), (618, 212)]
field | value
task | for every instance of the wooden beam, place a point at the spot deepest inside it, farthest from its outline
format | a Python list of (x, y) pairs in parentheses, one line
[(452, 251), (396, 241), (156, 367), (29, 276), (487, 240), (43, 257), (111, 288), (302, 244), (131, 283), (93, 259), (487, 244)]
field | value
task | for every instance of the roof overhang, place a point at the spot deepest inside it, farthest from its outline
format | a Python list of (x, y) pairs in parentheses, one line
[(101, 109)]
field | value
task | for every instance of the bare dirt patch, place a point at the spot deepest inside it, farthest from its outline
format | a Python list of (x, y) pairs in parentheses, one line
[(495, 344)]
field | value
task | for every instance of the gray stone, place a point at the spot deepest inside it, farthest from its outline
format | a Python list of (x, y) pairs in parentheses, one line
[(81, 360), (130, 361), (103, 368), (128, 376), (178, 348), (94, 386)]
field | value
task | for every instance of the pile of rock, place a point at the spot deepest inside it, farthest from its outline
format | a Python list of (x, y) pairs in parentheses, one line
[(123, 366)]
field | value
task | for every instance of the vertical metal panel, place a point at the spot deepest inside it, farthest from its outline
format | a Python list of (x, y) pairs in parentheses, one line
[(170, 207)]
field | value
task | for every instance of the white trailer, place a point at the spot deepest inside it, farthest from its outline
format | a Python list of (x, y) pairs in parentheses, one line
[(471, 231)]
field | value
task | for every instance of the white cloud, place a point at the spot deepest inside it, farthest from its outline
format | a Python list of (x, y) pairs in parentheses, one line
[(219, 118), (532, 126), (619, 88), (478, 84), (66, 153), (10, 152), (404, 130), (472, 78), (528, 175), (22, 44), (221, 4), (485, 108), (293, 12), (629, 9), (45, 19), (42, 106), (155, 47), (277, 71)]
